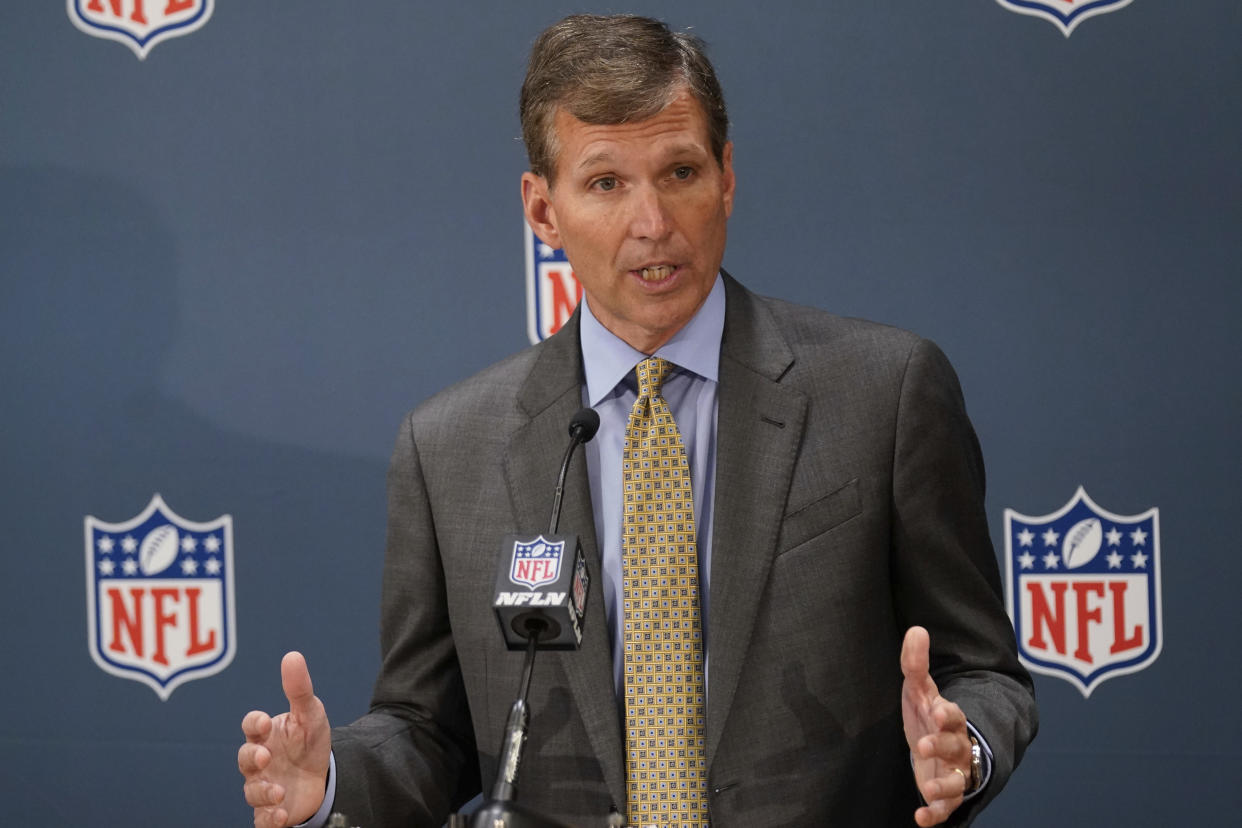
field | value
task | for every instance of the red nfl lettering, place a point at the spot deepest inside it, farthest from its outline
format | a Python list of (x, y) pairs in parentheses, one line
[(552, 289), (139, 15), (1122, 642), (164, 604), (122, 618), (564, 292), (197, 645), (161, 622), (535, 570), (1044, 618), (1083, 615), (1086, 616)]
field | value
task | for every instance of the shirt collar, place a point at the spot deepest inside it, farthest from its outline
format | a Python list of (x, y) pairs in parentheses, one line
[(607, 359)]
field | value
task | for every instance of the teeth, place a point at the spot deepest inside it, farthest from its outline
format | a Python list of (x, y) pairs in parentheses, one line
[(655, 274)]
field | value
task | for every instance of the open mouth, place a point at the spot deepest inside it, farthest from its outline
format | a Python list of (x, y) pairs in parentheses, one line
[(656, 273)]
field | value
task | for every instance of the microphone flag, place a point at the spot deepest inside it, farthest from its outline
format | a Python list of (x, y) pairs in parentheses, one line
[(542, 578)]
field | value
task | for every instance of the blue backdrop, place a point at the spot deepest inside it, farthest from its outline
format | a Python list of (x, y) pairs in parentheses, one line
[(228, 269)]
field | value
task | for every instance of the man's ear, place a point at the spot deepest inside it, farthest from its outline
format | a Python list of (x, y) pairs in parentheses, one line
[(537, 205)]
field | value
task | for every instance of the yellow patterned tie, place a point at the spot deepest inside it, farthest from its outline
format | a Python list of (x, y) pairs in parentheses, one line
[(665, 710)]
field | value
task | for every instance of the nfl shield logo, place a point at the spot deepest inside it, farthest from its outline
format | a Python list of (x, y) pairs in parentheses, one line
[(552, 290), (1064, 14), (159, 594), (1083, 590), (139, 24), (536, 563)]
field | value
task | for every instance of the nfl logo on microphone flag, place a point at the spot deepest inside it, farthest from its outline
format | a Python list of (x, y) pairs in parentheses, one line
[(536, 562)]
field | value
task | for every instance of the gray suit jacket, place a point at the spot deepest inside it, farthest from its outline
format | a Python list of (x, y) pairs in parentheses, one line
[(849, 505)]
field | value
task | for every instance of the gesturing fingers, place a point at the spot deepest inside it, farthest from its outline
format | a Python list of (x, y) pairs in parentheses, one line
[(270, 818), (947, 715), (936, 811), (285, 758), (943, 794), (916, 653), (936, 732), (252, 759), (256, 726), (950, 747), (265, 797), (951, 786), (261, 793), (296, 681)]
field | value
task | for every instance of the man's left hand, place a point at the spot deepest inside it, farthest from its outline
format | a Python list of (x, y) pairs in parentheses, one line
[(936, 733)]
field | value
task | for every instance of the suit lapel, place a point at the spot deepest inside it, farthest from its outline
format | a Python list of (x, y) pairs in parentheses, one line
[(759, 429), (550, 396)]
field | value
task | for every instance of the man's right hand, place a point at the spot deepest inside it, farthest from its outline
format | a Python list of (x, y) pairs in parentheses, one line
[(285, 759)]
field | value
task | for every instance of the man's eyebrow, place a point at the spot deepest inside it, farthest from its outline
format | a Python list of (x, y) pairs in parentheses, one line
[(601, 157), (685, 150), (675, 151)]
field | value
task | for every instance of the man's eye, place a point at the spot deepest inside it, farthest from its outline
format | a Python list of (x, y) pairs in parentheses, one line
[(683, 173), (605, 184)]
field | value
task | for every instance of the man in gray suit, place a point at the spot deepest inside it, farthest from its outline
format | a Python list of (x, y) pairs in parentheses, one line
[(838, 494)]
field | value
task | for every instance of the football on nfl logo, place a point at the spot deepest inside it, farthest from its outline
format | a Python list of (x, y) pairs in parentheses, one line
[(552, 290), (536, 563), (159, 596), (1064, 14), (1083, 590), (139, 24)]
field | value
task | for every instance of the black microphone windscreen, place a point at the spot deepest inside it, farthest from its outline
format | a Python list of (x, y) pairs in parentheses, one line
[(584, 424)]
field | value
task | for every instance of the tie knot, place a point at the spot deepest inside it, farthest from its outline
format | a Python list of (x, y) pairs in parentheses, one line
[(651, 373)]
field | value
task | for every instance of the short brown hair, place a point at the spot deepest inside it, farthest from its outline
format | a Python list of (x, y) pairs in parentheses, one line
[(612, 70)]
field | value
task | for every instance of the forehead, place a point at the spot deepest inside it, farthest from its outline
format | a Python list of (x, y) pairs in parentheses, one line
[(681, 126)]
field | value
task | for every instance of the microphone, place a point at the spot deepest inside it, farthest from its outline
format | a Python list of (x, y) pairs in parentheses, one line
[(546, 614), (584, 424), (542, 581), (581, 429)]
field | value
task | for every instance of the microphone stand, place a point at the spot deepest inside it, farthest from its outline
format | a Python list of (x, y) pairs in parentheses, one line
[(519, 718), (502, 810)]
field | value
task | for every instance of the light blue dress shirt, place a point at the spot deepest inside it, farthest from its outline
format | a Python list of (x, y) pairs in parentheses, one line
[(690, 391)]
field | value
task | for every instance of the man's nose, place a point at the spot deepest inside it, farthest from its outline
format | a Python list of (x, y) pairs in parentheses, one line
[(649, 218)]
